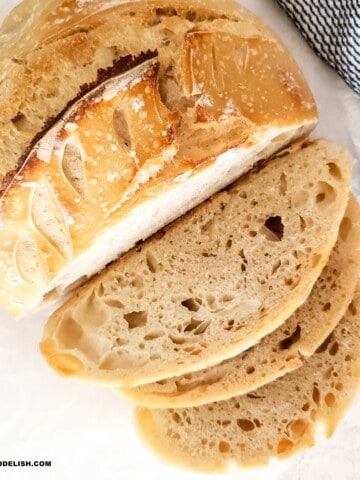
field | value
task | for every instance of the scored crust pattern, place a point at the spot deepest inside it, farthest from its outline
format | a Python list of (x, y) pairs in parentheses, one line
[(152, 119)]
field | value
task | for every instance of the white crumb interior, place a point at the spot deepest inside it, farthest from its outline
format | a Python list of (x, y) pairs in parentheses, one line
[(154, 214)]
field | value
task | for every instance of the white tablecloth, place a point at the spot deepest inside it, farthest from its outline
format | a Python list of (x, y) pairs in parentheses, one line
[(87, 431)]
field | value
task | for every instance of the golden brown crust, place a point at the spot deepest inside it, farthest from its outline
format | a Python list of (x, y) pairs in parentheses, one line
[(119, 67), (75, 44)]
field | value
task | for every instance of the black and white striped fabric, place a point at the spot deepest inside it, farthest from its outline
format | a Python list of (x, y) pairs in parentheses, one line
[(332, 28)]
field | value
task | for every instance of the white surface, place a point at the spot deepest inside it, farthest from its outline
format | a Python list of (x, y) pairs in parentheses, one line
[(87, 431)]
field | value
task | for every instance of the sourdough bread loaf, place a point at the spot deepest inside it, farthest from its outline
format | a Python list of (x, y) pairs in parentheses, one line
[(281, 351), (275, 421), (118, 117), (210, 286)]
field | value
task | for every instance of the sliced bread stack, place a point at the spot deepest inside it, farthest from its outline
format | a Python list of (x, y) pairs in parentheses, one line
[(212, 284), (116, 119), (274, 421), (232, 326), (281, 351)]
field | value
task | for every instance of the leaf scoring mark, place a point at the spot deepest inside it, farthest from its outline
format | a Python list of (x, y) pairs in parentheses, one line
[(73, 167), (30, 262), (49, 219)]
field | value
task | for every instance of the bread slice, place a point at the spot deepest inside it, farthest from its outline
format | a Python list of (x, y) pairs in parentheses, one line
[(275, 421), (209, 286), (118, 117), (281, 351)]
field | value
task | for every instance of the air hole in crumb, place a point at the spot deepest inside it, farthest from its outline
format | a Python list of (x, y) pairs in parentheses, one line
[(327, 307), (19, 121), (224, 447), (283, 184), (305, 407), (227, 298), (250, 370), (334, 171), (209, 255), (176, 417), (153, 336), (242, 255), (192, 325), (330, 400), (210, 300), (289, 282), (324, 346), (314, 414), (69, 333), (302, 223), (285, 445), (101, 291), (113, 303), (229, 244), (170, 433), (138, 282), (326, 194), (121, 342), (151, 262), (334, 349), (245, 425), (316, 395), (209, 228), (316, 259), (136, 319), (230, 325), (191, 16), (166, 12), (197, 327), (352, 309), (273, 229), (276, 267), (345, 228), (166, 42), (291, 340), (298, 428), (192, 304), (177, 340)]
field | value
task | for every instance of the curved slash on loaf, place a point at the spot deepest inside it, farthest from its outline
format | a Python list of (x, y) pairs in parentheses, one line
[(60, 183), (117, 149)]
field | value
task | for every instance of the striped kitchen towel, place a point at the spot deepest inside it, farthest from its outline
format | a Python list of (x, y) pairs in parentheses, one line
[(332, 28)]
